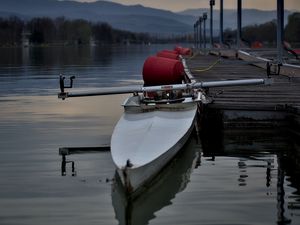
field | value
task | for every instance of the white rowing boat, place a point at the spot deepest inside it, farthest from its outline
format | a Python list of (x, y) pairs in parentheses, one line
[(151, 132), (148, 136)]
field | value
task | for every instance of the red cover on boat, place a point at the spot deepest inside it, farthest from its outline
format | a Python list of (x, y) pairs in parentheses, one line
[(167, 54), (162, 71)]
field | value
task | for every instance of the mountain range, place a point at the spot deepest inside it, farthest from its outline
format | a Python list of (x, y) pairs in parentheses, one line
[(249, 16), (136, 18)]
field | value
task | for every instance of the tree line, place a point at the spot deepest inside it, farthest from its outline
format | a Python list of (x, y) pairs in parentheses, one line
[(48, 31), (267, 32), (43, 31)]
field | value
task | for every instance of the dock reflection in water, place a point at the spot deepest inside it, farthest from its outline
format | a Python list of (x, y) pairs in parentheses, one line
[(243, 177), (159, 194), (272, 151)]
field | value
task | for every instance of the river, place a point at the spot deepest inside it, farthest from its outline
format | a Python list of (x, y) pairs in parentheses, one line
[(229, 177)]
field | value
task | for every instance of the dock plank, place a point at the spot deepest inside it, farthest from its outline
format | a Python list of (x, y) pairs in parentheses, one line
[(282, 94)]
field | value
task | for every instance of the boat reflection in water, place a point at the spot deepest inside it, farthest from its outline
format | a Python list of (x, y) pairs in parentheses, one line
[(139, 210)]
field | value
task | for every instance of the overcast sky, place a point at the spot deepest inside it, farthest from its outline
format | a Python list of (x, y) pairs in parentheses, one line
[(178, 5)]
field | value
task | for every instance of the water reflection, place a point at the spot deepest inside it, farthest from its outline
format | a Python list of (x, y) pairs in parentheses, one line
[(281, 205), (12, 56), (62, 56), (274, 151), (57, 56), (64, 163), (172, 180), (35, 70)]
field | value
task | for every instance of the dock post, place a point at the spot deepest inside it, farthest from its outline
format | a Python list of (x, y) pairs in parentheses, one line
[(204, 28), (197, 46), (239, 24), (212, 3), (200, 30), (195, 38), (280, 31), (221, 21)]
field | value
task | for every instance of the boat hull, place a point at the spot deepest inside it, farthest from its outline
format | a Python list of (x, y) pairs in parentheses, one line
[(137, 178), (171, 180), (144, 142)]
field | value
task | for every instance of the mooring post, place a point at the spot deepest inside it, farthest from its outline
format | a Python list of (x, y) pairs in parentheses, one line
[(221, 21), (204, 28), (200, 30), (239, 24), (280, 31), (197, 46), (211, 3), (195, 38)]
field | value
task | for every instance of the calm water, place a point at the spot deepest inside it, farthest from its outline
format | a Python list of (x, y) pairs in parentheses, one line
[(235, 177)]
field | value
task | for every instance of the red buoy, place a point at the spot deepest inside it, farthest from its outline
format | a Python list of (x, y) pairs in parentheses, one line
[(167, 54), (183, 51), (162, 71), (170, 51), (177, 49), (256, 44)]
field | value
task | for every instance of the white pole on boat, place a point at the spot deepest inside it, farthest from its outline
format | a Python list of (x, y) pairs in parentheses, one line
[(231, 83), (141, 89)]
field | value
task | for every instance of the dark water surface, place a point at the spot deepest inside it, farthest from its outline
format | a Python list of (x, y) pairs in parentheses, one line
[(237, 177)]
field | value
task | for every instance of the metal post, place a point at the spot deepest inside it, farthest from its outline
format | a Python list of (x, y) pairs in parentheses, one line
[(221, 21), (280, 32), (212, 3), (195, 40), (204, 28), (239, 24), (196, 35), (200, 31)]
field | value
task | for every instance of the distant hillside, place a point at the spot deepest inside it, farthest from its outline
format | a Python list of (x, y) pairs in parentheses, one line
[(250, 16), (133, 18)]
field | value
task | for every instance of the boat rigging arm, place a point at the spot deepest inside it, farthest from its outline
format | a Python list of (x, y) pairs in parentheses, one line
[(140, 89)]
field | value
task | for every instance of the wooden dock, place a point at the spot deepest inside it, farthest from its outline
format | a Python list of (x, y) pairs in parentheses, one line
[(254, 106)]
